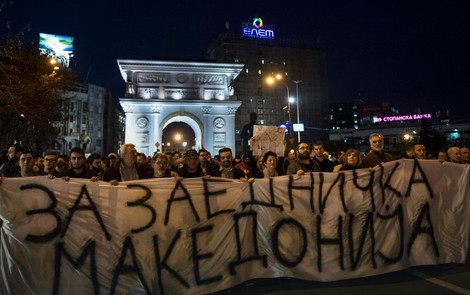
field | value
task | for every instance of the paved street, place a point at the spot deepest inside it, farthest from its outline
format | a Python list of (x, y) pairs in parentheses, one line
[(438, 279)]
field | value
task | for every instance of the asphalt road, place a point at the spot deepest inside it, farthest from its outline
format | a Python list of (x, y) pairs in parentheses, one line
[(436, 279)]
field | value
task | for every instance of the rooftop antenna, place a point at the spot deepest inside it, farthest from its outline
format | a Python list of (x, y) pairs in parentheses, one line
[(88, 74)]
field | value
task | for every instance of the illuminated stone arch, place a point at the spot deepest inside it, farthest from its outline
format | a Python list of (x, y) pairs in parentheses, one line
[(188, 118)]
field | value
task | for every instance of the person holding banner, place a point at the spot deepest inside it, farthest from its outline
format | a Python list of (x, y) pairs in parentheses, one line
[(454, 155), (318, 155), (465, 155), (27, 164), (419, 151), (191, 167), (50, 162), (204, 161), (377, 155), (78, 167), (126, 168), (303, 163), (352, 160), (269, 164), (11, 168), (159, 164), (226, 168)]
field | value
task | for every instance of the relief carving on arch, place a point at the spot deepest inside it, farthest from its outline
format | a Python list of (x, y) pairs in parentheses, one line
[(206, 110), (128, 108)]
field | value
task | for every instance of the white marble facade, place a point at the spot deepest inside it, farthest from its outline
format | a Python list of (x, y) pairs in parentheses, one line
[(199, 94)]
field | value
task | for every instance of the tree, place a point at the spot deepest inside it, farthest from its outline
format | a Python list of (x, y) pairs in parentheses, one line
[(30, 94)]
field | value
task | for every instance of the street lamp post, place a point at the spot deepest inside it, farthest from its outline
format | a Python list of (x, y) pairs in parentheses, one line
[(290, 100), (298, 102)]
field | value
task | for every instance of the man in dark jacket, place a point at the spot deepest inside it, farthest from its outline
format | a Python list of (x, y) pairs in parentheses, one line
[(303, 163), (78, 167), (11, 168), (377, 155), (226, 168), (318, 152), (126, 168)]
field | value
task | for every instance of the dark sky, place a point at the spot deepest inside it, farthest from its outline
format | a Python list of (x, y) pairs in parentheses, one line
[(412, 53)]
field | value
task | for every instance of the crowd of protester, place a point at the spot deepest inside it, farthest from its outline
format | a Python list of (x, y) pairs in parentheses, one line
[(128, 164)]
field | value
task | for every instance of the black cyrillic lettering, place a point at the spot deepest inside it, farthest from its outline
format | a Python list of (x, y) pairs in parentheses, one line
[(419, 229), (414, 180), (367, 226), (398, 213), (208, 194), (88, 250), (323, 200), (91, 207), (163, 264), (330, 241), (309, 188), (197, 257), (186, 197), (254, 233), (123, 268), (253, 200), (49, 210), (302, 241), (141, 203)]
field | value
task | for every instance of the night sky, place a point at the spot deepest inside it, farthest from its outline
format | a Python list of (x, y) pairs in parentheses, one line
[(412, 53)]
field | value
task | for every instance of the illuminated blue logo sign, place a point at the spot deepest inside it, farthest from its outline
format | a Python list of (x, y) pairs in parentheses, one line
[(257, 29)]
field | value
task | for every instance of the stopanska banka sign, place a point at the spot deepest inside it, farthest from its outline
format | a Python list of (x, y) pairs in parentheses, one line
[(402, 118)]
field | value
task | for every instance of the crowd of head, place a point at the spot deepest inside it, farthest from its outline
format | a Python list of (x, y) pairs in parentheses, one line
[(128, 164)]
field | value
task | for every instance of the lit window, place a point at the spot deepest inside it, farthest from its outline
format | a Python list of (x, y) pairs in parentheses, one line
[(259, 71), (262, 61), (246, 70), (237, 60)]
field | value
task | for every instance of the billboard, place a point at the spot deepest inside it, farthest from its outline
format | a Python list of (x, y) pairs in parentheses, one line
[(56, 46)]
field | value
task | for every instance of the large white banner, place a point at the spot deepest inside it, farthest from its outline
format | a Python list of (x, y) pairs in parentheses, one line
[(199, 236)]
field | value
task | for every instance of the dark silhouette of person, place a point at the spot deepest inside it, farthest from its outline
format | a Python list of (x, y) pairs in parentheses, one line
[(247, 133)]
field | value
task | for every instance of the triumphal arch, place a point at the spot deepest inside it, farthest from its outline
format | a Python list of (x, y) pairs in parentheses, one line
[(160, 92)]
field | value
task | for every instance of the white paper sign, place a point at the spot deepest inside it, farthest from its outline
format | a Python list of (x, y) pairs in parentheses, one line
[(268, 138)]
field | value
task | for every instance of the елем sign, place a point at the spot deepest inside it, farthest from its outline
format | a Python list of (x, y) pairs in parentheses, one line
[(257, 29)]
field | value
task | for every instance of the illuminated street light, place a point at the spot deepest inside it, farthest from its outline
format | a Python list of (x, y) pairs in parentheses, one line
[(271, 81), (178, 137)]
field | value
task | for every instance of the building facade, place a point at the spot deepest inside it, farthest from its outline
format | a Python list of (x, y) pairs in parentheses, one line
[(91, 121), (358, 113), (352, 123), (301, 65)]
